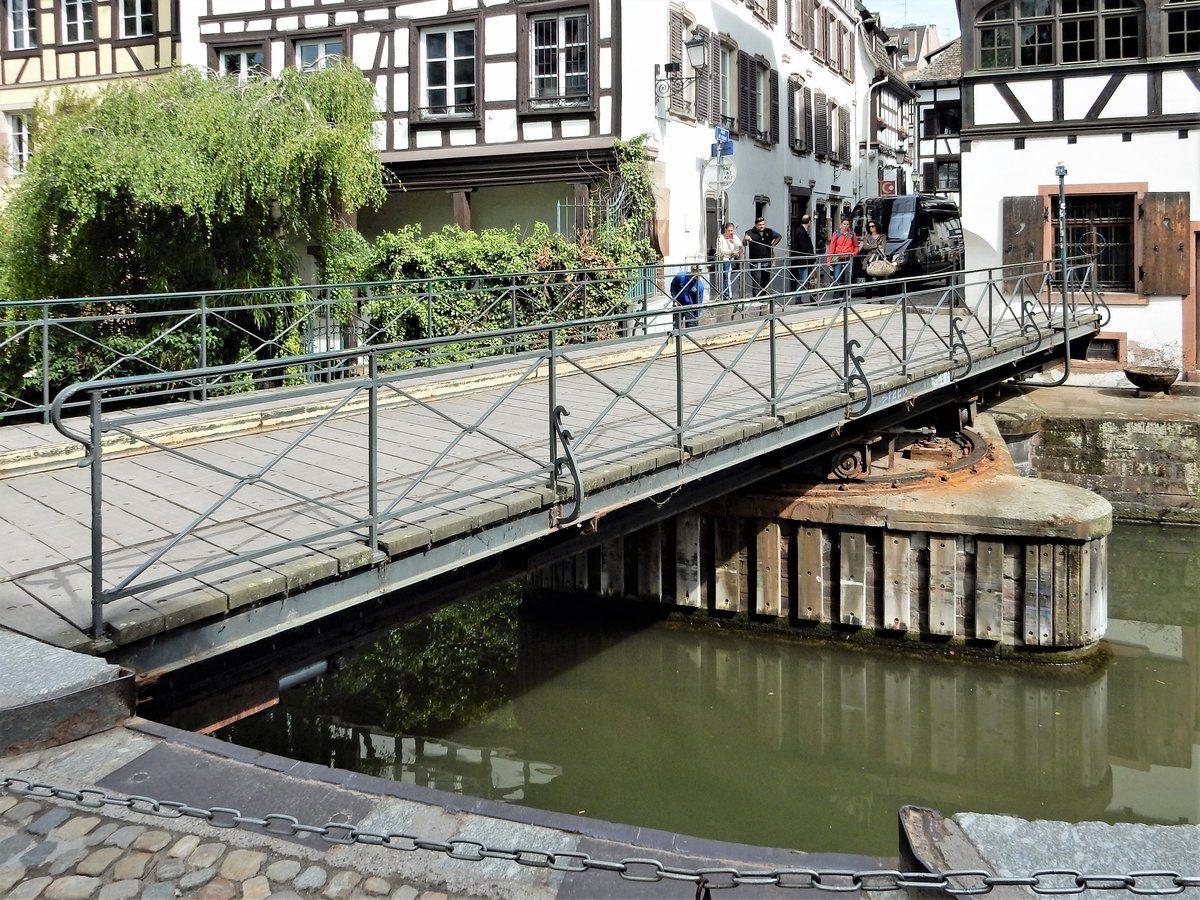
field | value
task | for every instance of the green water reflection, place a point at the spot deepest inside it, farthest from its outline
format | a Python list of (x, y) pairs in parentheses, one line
[(751, 739)]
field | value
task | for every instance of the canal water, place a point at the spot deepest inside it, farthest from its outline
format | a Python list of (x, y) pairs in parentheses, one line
[(754, 739)]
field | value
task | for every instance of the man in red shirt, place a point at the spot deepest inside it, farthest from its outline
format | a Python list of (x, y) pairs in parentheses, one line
[(842, 248)]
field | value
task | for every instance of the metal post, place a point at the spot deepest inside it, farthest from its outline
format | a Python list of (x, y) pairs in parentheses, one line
[(203, 349), (96, 454), (45, 363), (552, 392), (772, 323), (1061, 171), (678, 334), (904, 332), (373, 452)]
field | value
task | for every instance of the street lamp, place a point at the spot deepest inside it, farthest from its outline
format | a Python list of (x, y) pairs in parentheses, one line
[(669, 80)]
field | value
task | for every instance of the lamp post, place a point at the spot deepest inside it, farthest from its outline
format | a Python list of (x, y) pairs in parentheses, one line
[(669, 80)]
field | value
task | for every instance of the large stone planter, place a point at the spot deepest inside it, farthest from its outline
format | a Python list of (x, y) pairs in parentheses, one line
[(1151, 380)]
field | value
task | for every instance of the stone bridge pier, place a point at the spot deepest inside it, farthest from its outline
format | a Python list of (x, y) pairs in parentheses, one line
[(928, 547)]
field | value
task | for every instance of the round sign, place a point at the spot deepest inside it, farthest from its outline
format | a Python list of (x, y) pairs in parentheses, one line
[(719, 173)]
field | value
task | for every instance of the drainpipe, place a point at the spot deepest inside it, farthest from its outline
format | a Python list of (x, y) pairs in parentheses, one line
[(871, 134)]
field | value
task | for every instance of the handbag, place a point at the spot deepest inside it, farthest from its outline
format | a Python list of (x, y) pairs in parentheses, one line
[(880, 267)]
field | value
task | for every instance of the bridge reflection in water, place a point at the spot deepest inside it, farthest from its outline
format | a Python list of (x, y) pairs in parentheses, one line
[(815, 747)]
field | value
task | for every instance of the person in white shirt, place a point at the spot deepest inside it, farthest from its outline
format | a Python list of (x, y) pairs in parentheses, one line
[(729, 248)]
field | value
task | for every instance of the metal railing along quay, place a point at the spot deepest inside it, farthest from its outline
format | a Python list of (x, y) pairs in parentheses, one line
[(477, 422)]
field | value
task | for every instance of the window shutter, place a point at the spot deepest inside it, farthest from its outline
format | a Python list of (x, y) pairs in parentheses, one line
[(850, 54), (793, 138), (1023, 219), (774, 107), (929, 176), (807, 115), (745, 111), (789, 17), (714, 76), (703, 88), (773, 11), (844, 133), (845, 41), (821, 125), (678, 101), (929, 122), (807, 11), (1164, 219)]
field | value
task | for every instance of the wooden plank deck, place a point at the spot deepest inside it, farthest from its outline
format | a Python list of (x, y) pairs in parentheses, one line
[(461, 442)]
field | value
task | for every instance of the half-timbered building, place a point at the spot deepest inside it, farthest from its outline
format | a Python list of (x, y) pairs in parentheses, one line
[(1109, 90), (938, 121), (83, 44), (492, 114)]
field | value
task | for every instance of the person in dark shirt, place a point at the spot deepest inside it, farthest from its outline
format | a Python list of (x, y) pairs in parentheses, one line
[(803, 254), (760, 244), (687, 290)]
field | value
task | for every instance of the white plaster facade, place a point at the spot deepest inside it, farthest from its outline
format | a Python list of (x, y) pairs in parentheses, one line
[(1127, 130)]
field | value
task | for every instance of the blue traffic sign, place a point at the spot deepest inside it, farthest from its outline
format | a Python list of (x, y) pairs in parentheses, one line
[(723, 148), (721, 134)]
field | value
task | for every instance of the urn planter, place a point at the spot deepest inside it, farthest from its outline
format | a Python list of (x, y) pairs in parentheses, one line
[(1151, 380)]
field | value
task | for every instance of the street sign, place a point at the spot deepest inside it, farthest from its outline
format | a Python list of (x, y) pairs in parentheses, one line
[(719, 173), (722, 148), (887, 189), (721, 135)]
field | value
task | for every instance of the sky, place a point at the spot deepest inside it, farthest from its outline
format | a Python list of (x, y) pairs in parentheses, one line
[(942, 13)]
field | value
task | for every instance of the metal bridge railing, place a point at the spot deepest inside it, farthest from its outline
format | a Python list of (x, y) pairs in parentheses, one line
[(469, 420), (46, 345)]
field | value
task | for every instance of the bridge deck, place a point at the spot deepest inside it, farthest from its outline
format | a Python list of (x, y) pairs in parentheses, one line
[(269, 499)]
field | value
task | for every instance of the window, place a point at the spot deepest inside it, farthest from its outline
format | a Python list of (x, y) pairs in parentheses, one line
[(728, 107), (22, 24), (18, 142), (560, 72), (1101, 224), (448, 71), (319, 53), (941, 120), (241, 63), (762, 102), (948, 175), (137, 18), (1032, 33), (77, 21), (799, 118), (1183, 27)]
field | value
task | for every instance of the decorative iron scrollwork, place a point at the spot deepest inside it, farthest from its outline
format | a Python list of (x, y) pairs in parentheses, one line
[(958, 341), (858, 375), (568, 460), (1028, 324)]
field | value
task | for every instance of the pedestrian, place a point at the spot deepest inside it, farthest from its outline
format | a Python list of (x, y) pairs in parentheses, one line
[(729, 249), (872, 247), (761, 242), (804, 253), (842, 248), (687, 290)]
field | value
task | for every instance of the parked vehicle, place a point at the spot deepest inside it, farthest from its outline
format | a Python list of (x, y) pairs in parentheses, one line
[(924, 235)]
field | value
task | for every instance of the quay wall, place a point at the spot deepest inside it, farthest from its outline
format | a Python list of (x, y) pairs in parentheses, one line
[(1140, 454)]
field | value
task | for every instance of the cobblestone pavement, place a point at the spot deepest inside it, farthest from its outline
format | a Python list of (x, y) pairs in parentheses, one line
[(59, 853)]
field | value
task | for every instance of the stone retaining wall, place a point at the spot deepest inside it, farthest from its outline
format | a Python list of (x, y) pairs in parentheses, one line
[(1143, 459)]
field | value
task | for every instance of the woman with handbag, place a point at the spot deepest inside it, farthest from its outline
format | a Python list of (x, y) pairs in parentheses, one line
[(873, 247)]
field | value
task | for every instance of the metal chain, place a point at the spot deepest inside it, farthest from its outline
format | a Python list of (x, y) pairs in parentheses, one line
[(959, 882)]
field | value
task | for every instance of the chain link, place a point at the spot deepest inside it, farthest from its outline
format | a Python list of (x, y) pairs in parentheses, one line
[(959, 882)]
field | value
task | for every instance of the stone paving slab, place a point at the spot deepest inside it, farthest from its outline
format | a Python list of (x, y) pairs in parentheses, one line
[(54, 848)]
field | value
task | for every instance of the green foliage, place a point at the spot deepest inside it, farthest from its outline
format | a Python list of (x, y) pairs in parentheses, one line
[(446, 667), (187, 183)]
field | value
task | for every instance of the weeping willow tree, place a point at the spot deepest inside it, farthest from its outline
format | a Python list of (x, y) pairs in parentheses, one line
[(187, 183)]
